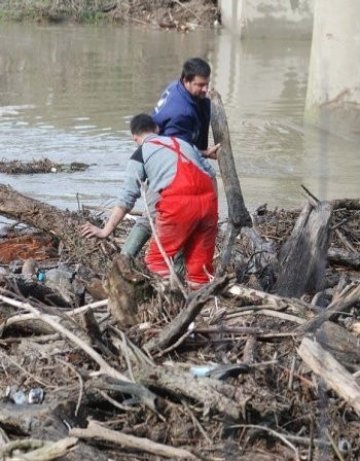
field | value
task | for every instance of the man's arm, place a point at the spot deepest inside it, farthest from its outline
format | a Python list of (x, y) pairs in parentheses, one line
[(89, 230), (135, 174)]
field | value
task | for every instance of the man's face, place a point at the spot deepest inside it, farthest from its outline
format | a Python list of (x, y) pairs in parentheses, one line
[(198, 87)]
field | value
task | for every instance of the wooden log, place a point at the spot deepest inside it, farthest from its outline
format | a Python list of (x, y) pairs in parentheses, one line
[(237, 212), (333, 373), (343, 345), (303, 257), (37, 214), (346, 258), (63, 225), (250, 297), (125, 287)]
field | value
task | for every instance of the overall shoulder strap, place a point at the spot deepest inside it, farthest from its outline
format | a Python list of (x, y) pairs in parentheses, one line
[(175, 146)]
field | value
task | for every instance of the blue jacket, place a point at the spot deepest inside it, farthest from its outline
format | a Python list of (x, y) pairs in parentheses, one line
[(179, 114)]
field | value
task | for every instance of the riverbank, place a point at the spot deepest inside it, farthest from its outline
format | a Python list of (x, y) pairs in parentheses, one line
[(245, 374), (181, 15)]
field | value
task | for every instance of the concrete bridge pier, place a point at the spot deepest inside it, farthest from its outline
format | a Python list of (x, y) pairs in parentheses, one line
[(333, 92), (290, 19)]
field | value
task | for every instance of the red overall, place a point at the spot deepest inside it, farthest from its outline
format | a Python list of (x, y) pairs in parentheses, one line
[(186, 218)]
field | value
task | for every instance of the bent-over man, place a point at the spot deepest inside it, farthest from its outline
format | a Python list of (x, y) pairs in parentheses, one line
[(183, 194)]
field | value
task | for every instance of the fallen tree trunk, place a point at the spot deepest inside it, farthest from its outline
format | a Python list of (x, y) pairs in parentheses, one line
[(303, 257), (63, 225), (237, 212), (37, 214)]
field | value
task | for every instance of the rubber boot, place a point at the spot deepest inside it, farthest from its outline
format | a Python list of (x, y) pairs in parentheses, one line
[(137, 238), (179, 264)]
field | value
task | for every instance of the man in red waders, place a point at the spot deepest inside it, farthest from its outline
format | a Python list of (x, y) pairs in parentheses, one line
[(181, 196)]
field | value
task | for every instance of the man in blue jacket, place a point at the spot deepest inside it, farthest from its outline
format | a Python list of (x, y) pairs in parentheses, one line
[(183, 111)]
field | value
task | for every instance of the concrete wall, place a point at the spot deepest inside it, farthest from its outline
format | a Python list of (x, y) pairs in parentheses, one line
[(290, 19), (333, 93)]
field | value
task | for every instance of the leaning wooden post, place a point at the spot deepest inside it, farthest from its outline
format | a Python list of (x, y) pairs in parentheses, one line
[(238, 215)]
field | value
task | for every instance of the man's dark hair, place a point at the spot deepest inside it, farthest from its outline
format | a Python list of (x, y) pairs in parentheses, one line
[(142, 123), (193, 67)]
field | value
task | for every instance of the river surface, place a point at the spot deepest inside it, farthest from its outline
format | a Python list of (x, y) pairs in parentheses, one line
[(68, 92)]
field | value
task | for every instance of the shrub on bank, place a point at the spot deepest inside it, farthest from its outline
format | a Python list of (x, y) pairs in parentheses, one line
[(183, 15), (59, 11)]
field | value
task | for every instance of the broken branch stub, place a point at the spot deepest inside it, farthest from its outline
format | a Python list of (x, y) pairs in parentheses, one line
[(303, 257)]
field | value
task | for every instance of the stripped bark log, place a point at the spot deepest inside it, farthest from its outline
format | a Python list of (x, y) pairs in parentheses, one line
[(96, 431), (303, 257), (238, 214), (249, 296), (333, 373)]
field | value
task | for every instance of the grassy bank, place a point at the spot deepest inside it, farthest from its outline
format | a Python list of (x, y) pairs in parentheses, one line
[(162, 13)]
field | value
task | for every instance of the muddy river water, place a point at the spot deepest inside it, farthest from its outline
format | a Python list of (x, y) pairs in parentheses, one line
[(68, 92)]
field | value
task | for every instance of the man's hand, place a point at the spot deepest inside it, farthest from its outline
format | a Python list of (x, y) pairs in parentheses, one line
[(211, 152), (89, 230)]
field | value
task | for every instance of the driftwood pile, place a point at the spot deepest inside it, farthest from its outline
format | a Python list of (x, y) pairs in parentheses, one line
[(99, 360), (234, 371), (183, 16), (43, 165)]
